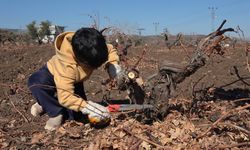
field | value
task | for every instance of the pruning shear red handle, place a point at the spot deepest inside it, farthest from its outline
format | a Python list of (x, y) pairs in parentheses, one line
[(114, 107), (127, 107)]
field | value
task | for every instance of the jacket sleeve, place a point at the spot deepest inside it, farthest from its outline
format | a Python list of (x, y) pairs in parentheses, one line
[(113, 57), (65, 90)]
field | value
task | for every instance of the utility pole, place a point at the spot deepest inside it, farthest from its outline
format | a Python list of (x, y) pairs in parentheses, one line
[(140, 30), (108, 20), (93, 18), (98, 20), (212, 11), (156, 24)]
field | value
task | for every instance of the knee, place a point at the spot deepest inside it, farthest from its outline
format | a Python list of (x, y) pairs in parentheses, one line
[(36, 79), (33, 83), (36, 84), (32, 80)]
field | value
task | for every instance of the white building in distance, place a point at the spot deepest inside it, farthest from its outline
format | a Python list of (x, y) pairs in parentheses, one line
[(55, 30)]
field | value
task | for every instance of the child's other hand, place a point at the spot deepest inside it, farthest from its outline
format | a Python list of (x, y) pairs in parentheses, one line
[(114, 70), (95, 110)]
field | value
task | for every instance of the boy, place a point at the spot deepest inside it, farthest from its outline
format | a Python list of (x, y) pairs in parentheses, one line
[(58, 86)]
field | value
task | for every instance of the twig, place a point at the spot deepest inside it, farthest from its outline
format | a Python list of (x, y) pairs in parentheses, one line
[(247, 61), (48, 144), (237, 127), (247, 49), (222, 24), (241, 99), (196, 83), (144, 139), (24, 117), (238, 75), (182, 45), (136, 145), (222, 117), (240, 32), (14, 86), (142, 55), (234, 145)]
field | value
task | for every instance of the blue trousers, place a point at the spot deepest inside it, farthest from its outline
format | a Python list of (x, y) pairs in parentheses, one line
[(43, 88)]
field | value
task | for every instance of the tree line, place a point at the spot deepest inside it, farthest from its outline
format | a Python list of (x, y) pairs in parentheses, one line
[(37, 33)]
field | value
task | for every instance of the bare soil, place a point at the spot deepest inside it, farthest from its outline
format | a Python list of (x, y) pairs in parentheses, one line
[(183, 127)]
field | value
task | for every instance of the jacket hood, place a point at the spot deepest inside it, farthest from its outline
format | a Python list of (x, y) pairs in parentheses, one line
[(64, 48)]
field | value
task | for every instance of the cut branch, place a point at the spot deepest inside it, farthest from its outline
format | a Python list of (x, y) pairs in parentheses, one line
[(146, 140), (227, 114), (234, 145), (237, 127)]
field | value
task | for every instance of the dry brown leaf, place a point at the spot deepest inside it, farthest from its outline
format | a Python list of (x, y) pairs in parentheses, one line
[(244, 136), (175, 133), (2, 139), (116, 146), (87, 131), (178, 147), (13, 148), (231, 135), (121, 134), (94, 146), (61, 130), (11, 124), (189, 126), (176, 122), (4, 145), (74, 134), (37, 137), (166, 140), (145, 146)]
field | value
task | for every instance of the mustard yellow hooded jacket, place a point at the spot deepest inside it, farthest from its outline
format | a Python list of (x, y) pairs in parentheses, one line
[(67, 71)]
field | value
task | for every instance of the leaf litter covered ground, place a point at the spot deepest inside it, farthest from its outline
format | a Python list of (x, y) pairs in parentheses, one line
[(217, 117)]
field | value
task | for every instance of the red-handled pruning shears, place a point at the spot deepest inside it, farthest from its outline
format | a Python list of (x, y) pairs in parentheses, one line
[(127, 107)]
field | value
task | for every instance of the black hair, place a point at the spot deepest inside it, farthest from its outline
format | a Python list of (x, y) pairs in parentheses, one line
[(90, 47)]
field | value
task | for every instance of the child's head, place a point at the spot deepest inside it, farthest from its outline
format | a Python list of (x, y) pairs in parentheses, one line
[(89, 47)]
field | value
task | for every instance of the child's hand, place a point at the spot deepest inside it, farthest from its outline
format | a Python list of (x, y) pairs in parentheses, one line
[(97, 111), (114, 70)]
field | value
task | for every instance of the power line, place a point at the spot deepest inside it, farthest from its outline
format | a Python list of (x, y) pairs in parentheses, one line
[(212, 11), (156, 24), (140, 30)]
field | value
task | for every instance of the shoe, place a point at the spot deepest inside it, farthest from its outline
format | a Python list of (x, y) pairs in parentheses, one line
[(36, 110), (54, 122)]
